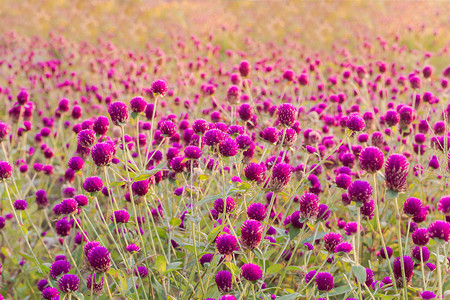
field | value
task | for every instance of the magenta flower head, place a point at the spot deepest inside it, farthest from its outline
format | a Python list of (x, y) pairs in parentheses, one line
[(103, 153), (225, 297), (233, 94), (281, 175), (168, 128), (118, 111), (270, 135), (138, 104), (408, 264), (228, 147), (159, 87), (226, 243), (140, 188), (426, 295), (309, 206), (254, 171), (406, 117), (343, 181), (93, 184), (392, 118), (5, 170), (439, 230), (245, 112), (82, 200), (331, 240), (22, 97), (224, 281), (343, 248), (251, 234), (192, 152), (20, 204), (415, 253), (360, 191), (251, 272), (388, 250), (121, 216), (412, 207), (41, 198), (93, 286), (287, 114), (69, 283), (324, 281), (76, 163), (50, 293), (444, 205), (396, 171), (420, 237), (214, 137), (371, 159), (101, 125), (244, 68), (4, 131), (59, 267), (63, 227), (100, 259), (86, 138), (355, 122), (256, 211), (68, 206), (219, 205)]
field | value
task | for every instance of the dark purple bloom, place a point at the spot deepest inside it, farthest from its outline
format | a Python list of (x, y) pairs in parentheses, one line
[(99, 258), (86, 138), (287, 114), (121, 216), (93, 184), (439, 230), (20, 204), (251, 234), (103, 153), (118, 111), (140, 188), (159, 87), (101, 125), (138, 104), (251, 272), (444, 205), (371, 159), (331, 240), (69, 283), (219, 205), (206, 258), (76, 163), (193, 152), (388, 250), (355, 122), (397, 269), (281, 175), (343, 181), (396, 171), (415, 253), (412, 207), (224, 281), (59, 267), (256, 211), (68, 206), (93, 286), (309, 206), (426, 295), (5, 170), (324, 281), (214, 137), (420, 237), (50, 293), (360, 191), (254, 171), (226, 243), (63, 227), (228, 147), (343, 247)]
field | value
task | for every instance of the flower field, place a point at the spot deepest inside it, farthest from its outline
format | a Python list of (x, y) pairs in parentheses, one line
[(224, 150)]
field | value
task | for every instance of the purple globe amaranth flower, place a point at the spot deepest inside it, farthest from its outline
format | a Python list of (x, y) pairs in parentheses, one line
[(121, 216), (392, 117), (93, 286), (118, 111), (367, 210), (286, 114), (444, 205), (270, 135), (251, 234), (343, 181), (82, 200), (86, 138), (369, 277), (388, 250), (324, 212), (5, 129), (256, 211), (103, 153), (93, 184), (220, 206), (244, 68), (138, 104), (69, 283), (227, 297), (228, 147), (168, 128), (159, 87), (20, 204), (132, 248), (141, 271), (439, 230), (281, 175), (50, 293), (245, 112), (193, 152), (59, 267), (396, 171), (309, 206), (42, 284), (251, 272), (233, 95), (224, 281), (360, 191), (68, 206), (371, 159), (99, 259), (412, 207), (343, 248), (254, 171), (76, 163), (63, 227), (226, 244), (101, 125), (427, 295), (310, 275), (355, 122), (351, 228), (206, 258), (324, 281), (214, 137), (415, 253), (331, 240), (397, 269), (420, 237), (5, 170), (406, 117), (140, 188)]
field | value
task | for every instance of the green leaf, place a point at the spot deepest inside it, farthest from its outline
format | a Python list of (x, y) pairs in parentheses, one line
[(208, 199), (233, 268), (142, 177), (391, 195), (310, 239), (172, 267), (340, 290), (203, 177), (292, 296), (117, 183), (161, 263), (274, 268), (293, 232), (294, 268), (175, 222), (134, 115), (360, 273), (213, 234), (78, 295)]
